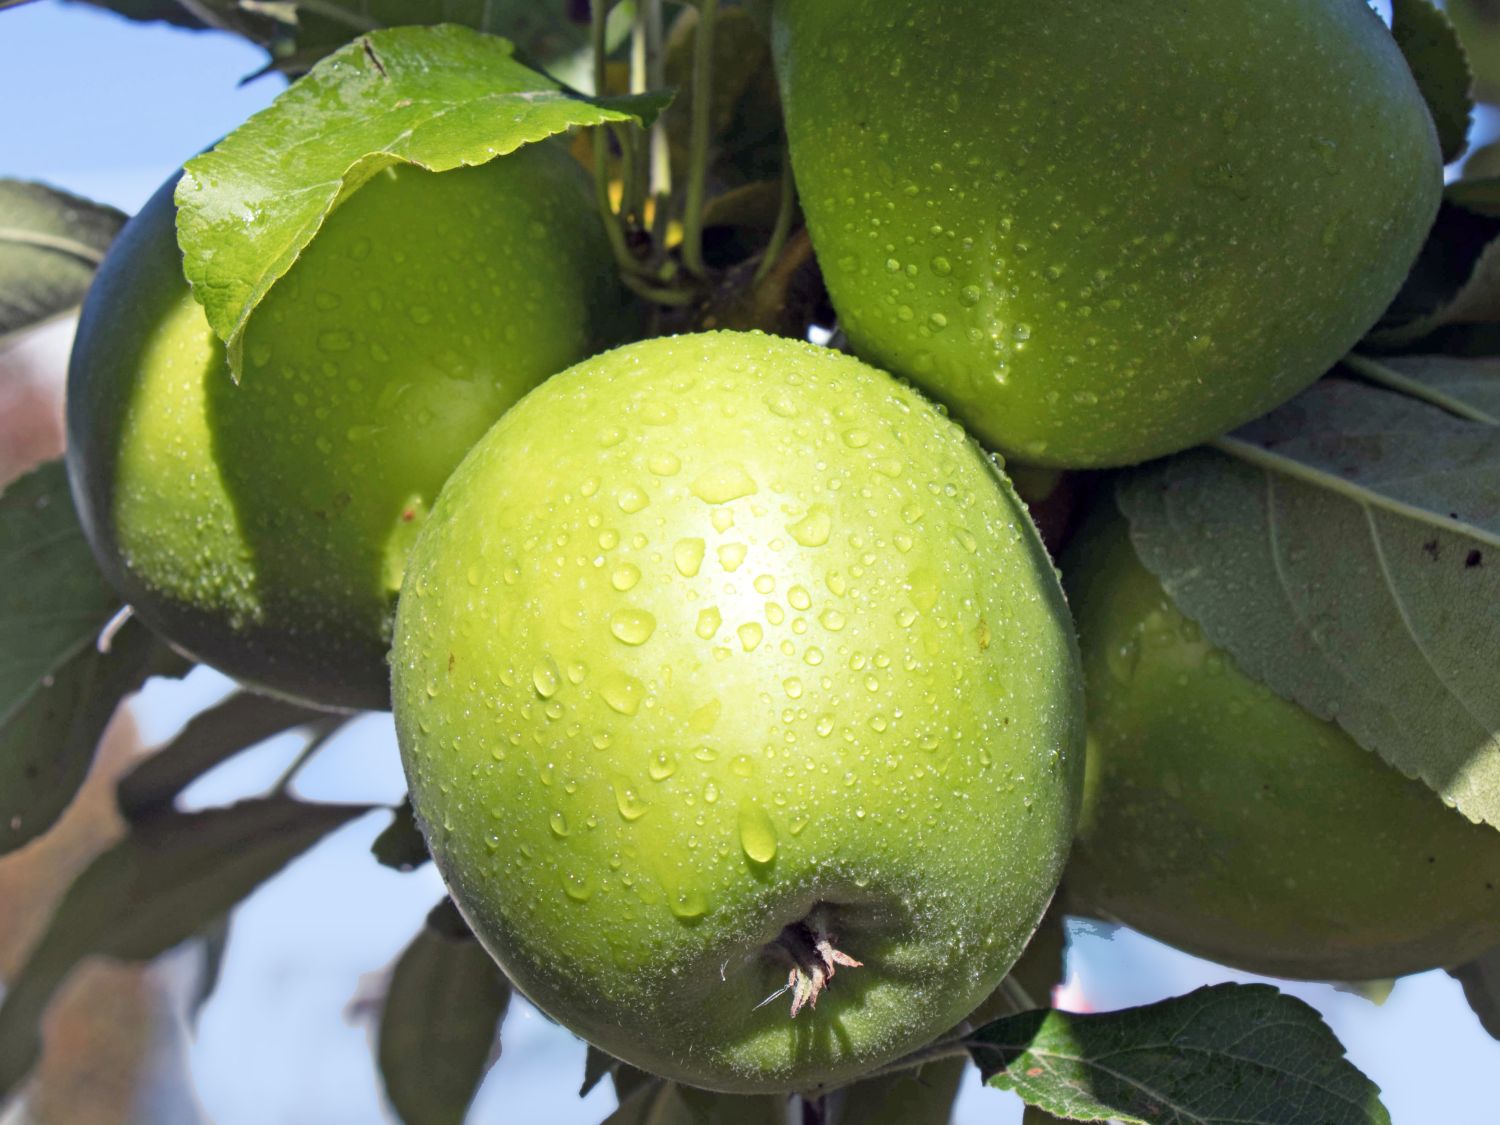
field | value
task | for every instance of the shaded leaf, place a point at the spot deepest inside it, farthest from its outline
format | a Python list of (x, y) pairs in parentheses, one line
[(213, 736), (1229, 1054), (922, 1096), (164, 882), (47, 744), (1481, 981), (1345, 551), (438, 97), (659, 1102), (1437, 61), (440, 1023), (50, 245), (57, 688), (596, 1067), (401, 845), (1456, 277), (213, 942)]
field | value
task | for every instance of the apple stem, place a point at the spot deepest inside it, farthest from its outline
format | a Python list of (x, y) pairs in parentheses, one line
[(808, 945)]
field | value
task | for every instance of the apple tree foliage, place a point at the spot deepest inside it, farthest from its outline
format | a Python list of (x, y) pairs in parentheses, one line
[(1390, 626)]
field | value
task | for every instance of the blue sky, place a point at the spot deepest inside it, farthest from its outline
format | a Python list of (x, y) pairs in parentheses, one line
[(110, 109)]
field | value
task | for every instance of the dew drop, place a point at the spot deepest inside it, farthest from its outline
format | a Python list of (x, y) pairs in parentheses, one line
[(814, 528), (757, 834), (687, 556), (627, 800), (709, 621), (731, 555), (750, 635), (726, 481), (544, 678), (622, 692), (663, 765), (632, 626), (625, 577), (559, 824)]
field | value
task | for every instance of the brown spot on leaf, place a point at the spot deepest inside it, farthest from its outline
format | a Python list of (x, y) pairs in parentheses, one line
[(1474, 558)]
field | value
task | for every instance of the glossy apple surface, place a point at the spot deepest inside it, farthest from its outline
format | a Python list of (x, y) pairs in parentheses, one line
[(263, 527), (716, 637), (1102, 232), (1234, 824)]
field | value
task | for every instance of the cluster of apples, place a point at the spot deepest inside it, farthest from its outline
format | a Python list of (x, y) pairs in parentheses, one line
[(723, 664)]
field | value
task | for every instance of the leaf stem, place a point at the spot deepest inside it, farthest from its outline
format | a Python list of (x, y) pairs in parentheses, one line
[(319, 733), (783, 225), (1382, 375), (1360, 494), (703, 77), (599, 18)]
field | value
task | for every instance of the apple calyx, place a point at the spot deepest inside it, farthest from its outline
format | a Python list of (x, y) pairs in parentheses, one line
[(808, 945)]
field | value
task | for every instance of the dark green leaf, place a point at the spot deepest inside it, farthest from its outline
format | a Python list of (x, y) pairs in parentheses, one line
[(1481, 981), (922, 1096), (596, 1067), (1456, 277), (57, 688), (1437, 62), (164, 882), (438, 97), (440, 1024), (50, 245), (401, 845), (47, 743), (666, 1103), (213, 942), (548, 33), (1227, 1055), (243, 720), (1343, 550)]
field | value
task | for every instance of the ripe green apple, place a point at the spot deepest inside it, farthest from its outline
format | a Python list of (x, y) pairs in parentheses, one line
[(725, 662), (263, 527), (1234, 824), (1102, 232)]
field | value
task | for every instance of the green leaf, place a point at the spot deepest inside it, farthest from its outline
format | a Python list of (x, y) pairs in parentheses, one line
[(401, 845), (1481, 981), (545, 32), (164, 882), (666, 1103), (440, 1024), (1230, 1054), (50, 245), (1345, 551), (922, 1096), (1438, 63), (1456, 277), (596, 1067), (58, 686), (243, 720), (47, 744), (438, 97)]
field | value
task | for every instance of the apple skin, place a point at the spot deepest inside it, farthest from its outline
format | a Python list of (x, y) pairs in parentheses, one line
[(1234, 824), (712, 631), (263, 527), (1102, 232)]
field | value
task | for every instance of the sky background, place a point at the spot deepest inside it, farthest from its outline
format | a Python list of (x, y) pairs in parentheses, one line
[(108, 109)]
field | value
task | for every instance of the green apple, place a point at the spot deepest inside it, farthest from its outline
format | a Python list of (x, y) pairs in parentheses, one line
[(1234, 824), (726, 661), (263, 527), (1102, 232)]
